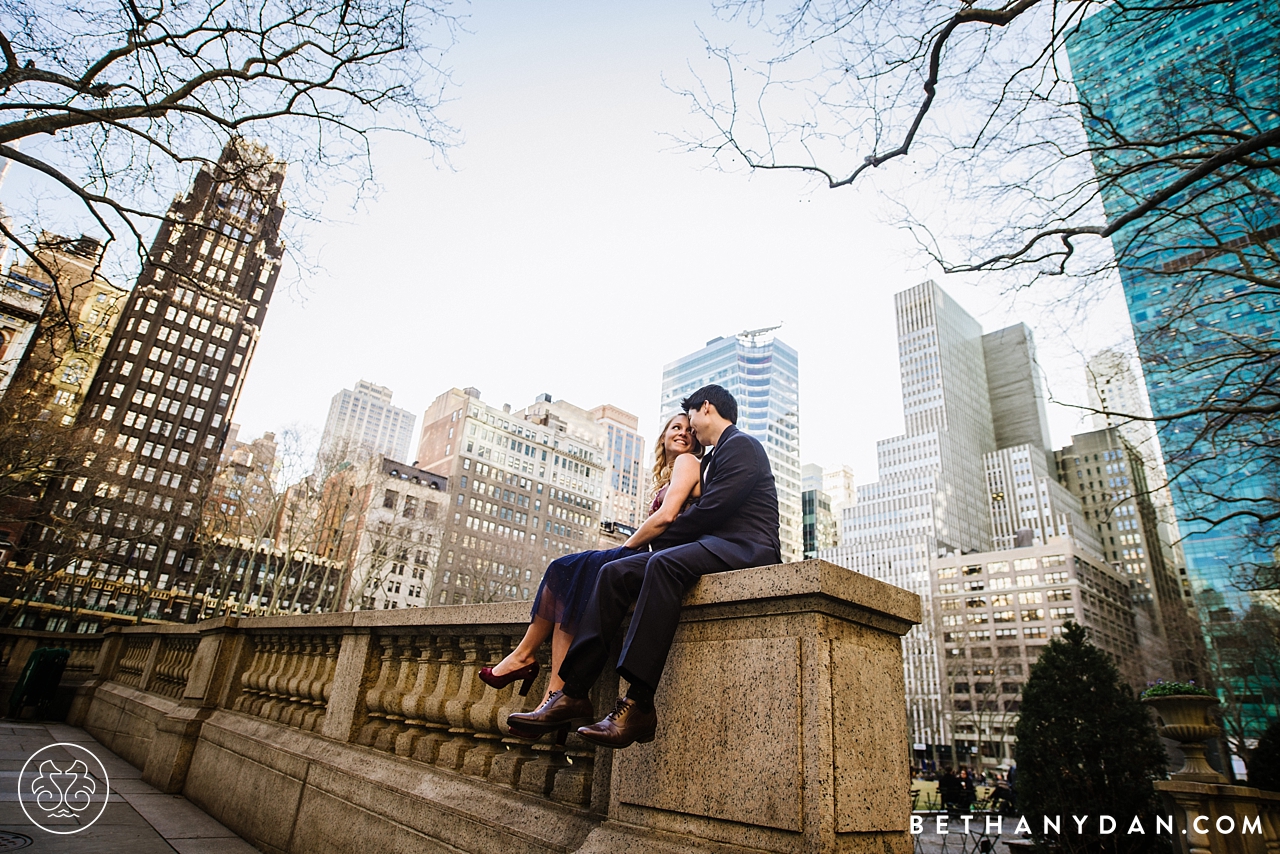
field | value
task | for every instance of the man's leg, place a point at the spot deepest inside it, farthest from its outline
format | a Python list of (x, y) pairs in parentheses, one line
[(616, 588), (667, 577)]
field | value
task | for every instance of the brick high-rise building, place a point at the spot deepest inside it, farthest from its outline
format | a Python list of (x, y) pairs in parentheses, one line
[(160, 405)]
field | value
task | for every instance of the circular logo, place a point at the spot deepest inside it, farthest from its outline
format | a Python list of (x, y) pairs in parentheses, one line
[(63, 781)]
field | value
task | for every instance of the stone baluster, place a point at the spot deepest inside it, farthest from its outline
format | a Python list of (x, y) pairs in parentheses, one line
[(393, 699), (457, 709), (572, 783), (159, 676), (249, 679), (318, 690), (299, 703), (276, 699), (270, 653), (274, 646), (483, 714), (506, 767), (373, 699), (426, 672), (299, 662), (538, 775), (432, 711), (169, 669)]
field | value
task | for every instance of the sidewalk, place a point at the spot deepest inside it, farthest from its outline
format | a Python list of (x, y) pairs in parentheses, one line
[(138, 819)]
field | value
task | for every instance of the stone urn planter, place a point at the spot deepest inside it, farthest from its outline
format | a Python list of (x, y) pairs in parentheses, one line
[(1188, 720)]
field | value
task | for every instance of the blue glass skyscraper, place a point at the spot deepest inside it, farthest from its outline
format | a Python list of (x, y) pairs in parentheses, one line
[(763, 374), (1164, 88)]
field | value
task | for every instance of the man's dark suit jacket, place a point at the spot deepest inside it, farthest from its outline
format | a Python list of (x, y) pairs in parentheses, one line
[(736, 517)]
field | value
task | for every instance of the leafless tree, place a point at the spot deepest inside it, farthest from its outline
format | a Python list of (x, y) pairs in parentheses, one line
[(259, 547), (968, 120), (112, 105)]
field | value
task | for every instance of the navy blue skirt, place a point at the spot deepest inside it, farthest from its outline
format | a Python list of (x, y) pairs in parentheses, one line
[(567, 585)]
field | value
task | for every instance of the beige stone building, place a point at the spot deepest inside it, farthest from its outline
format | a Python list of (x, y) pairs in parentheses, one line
[(241, 496), (390, 517), (22, 303), (1108, 475), (64, 350), (625, 502), (1118, 394), (996, 611), (526, 487)]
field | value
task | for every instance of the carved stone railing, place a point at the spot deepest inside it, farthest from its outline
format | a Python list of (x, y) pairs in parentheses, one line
[(133, 662), (84, 657), (782, 726), (289, 678), (173, 665), (1217, 818)]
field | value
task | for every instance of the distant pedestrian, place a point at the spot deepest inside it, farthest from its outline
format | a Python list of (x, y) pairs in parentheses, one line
[(950, 791)]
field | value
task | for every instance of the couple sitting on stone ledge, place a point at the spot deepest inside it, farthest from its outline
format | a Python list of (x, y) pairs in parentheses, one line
[(713, 517)]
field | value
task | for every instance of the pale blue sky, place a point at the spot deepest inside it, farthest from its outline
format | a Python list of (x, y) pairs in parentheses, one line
[(569, 249)]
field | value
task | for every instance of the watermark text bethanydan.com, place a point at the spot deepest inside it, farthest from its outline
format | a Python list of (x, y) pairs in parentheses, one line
[(1104, 825)]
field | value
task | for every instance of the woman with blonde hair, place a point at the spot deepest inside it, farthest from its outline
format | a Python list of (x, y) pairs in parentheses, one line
[(568, 582)]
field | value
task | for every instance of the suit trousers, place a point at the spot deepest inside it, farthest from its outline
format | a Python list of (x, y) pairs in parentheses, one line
[(656, 582)]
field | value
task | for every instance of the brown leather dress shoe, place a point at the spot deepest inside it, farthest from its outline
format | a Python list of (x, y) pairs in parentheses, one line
[(560, 710), (622, 727)]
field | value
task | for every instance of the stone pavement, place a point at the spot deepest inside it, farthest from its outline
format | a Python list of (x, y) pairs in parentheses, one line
[(138, 819)]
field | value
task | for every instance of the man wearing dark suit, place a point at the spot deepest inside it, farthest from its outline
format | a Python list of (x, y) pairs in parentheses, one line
[(733, 525)]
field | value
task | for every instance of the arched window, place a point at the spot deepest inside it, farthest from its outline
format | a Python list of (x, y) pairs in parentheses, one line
[(74, 371)]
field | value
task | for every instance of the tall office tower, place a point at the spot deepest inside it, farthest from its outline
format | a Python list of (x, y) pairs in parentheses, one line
[(931, 496), (626, 500), (763, 374), (821, 528), (70, 339), (1108, 475), (1116, 388), (161, 402), (363, 420), (1027, 503), (1197, 271), (1016, 391), (526, 487)]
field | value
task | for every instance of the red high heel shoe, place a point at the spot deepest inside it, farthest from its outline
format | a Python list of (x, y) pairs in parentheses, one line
[(528, 673)]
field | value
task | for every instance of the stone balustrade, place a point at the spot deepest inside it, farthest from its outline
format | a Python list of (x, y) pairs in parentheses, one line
[(782, 726), (1218, 818)]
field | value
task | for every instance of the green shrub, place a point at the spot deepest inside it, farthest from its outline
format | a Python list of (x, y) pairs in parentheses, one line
[(1087, 747), (1174, 689)]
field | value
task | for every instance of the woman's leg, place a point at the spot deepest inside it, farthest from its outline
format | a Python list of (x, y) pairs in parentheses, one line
[(560, 641), (524, 653)]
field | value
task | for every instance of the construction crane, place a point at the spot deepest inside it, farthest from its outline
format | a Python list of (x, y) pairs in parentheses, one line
[(753, 334)]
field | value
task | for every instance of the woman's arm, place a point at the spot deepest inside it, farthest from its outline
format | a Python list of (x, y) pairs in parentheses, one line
[(685, 477)]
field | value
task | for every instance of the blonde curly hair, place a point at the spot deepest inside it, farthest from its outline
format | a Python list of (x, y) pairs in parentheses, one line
[(661, 465)]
